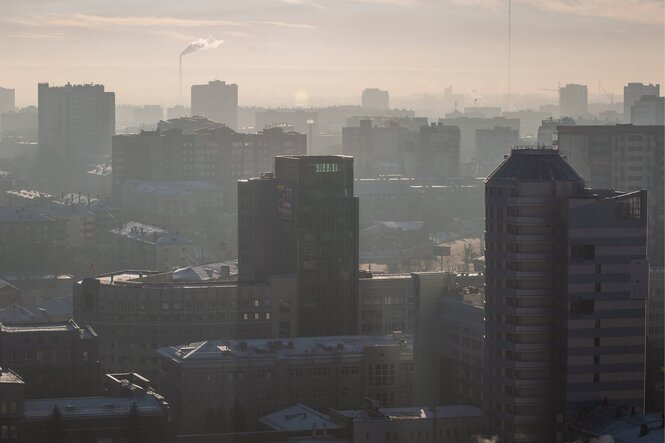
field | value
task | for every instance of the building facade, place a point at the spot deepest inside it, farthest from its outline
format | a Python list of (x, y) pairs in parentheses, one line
[(261, 376), (492, 145), (136, 312), (434, 153), (632, 93), (217, 101), (573, 100), (305, 219), (373, 98), (54, 359), (622, 157), (566, 285)]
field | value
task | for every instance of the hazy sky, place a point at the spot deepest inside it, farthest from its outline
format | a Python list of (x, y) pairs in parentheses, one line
[(281, 51)]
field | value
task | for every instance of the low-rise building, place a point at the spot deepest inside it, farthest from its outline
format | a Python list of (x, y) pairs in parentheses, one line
[(141, 246), (136, 312), (54, 359), (253, 378), (450, 424)]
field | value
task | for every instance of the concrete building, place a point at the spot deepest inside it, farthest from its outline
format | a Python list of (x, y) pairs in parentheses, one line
[(76, 121), (141, 246), (373, 98), (217, 101), (20, 124), (468, 127), (434, 153), (492, 145), (566, 289), (178, 111), (136, 312), (386, 304), (189, 125), (54, 359), (376, 150), (7, 100), (632, 93), (147, 116), (547, 132), (130, 409), (648, 110), (573, 100), (655, 341), (303, 221), (263, 376), (220, 156), (623, 157), (175, 204), (454, 424)]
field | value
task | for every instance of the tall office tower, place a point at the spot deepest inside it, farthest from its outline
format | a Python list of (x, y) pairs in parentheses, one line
[(217, 101), (76, 121), (632, 92), (375, 99), (624, 157), (566, 283), (7, 100), (573, 100), (303, 221)]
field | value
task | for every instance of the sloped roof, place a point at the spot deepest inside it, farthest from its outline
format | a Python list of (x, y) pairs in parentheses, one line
[(535, 165)]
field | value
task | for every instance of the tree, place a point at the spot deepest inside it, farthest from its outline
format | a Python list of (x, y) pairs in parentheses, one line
[(55, 433)]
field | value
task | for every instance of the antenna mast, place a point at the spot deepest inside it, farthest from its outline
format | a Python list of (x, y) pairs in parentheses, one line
[(509, 43)]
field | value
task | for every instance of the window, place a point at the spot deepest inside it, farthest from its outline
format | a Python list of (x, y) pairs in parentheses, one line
[(582, 307), (587, 252)]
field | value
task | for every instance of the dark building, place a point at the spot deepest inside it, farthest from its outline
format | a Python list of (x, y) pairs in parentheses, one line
[(54, 359), (624, 157), (217, 101), (566, 288), (434, 153), (129, 410), (303, 221), (220, 156)]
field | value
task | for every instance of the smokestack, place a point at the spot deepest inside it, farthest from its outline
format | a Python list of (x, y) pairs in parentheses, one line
[(196, 45)]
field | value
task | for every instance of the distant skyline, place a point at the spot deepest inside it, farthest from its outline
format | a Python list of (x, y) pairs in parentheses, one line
[(311, 51)]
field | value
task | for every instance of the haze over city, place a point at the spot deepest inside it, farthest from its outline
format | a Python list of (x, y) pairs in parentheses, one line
[(319, 52), (332, 221)]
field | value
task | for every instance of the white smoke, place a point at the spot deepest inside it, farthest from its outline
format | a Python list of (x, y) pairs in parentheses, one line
[(201, 44)]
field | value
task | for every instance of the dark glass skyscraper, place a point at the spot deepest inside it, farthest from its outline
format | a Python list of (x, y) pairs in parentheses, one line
[(303, 220)]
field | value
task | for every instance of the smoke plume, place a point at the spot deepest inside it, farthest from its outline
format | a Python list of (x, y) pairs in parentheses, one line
[(201, 44)]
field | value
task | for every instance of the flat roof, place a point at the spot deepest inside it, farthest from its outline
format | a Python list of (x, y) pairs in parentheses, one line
[(220, 350), (411, 413), (298, 417), (61, 326), (78, 407), (10, 377)]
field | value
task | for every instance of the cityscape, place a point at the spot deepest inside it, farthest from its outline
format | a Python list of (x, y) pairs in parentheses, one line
[(305, 221)]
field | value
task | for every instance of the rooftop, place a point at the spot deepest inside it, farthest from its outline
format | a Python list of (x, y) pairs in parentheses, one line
[(150, 234), (535, 164), (298, 417), (62, 326), (279, 348), (147, 403), (9, 376), (411, 413)]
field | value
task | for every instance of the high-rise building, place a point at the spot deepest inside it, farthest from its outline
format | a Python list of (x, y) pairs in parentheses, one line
[(7, 100), (374, 98), (492, 145), (303, 220), (632, 92), (624, 157), (217, 101), (76, 122), (573, 100), (566, 287), (648, 110), (433, 153)]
